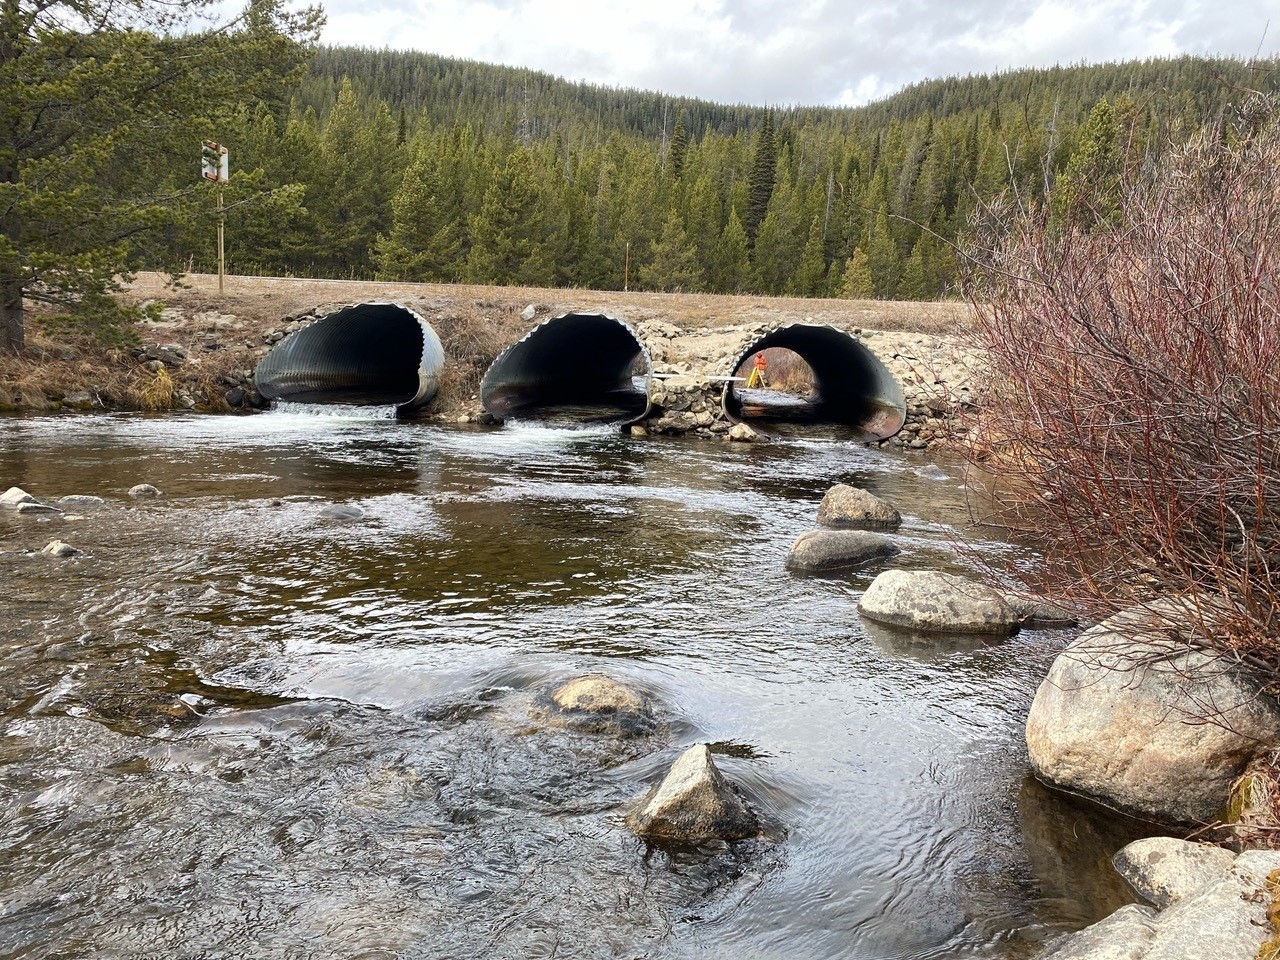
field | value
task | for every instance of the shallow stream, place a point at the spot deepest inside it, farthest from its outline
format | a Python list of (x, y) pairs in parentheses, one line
[(237, 728)]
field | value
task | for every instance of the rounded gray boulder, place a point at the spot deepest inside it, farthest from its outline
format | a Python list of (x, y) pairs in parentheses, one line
[(939, 602), (846, 507), (818, 551), (1145, 720)]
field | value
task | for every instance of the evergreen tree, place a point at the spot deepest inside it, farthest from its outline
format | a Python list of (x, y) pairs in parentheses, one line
[(424, 242), (809, 280), (507, 238), (678, 148), (1088, 192), (858, 284), (883, 258), (673, 263), (731, 271), (764, 171), (98, 127)]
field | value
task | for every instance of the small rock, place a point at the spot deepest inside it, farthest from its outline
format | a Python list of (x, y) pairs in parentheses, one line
[(56, 548), (81, 400), (600, 704), (342, 511), (235, 397), (81, 500), (14, 496), (822, 550), (528, 313), (742, 433), (33, 507), (638, 430), (1037, 613), (1164, 870), (932, 601), (143, 490), (694, 804), (844, 506), (931, 472)]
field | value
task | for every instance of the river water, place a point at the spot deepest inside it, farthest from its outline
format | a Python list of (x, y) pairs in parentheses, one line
[(235, 727)]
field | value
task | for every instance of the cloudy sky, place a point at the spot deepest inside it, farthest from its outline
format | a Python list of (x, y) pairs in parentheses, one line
[(800, 51)]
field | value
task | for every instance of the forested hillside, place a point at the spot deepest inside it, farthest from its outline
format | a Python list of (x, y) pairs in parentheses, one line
[(418, 167)]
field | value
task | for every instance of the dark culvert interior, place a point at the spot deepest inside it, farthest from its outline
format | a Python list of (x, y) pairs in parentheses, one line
[(850, 387), (577, 367), (367, 354)]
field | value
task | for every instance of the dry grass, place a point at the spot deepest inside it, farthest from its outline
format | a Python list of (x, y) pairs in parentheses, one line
[(259, 300)]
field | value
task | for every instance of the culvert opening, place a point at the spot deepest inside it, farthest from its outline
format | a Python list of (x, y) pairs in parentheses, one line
[(582, 368), (816, 375), (368, 354)]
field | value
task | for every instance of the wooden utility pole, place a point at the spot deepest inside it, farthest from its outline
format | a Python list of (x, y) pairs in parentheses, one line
[(626, 267), (222, 259)]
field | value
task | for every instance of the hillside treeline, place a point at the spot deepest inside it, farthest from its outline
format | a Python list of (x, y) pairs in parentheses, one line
[(408, 166)]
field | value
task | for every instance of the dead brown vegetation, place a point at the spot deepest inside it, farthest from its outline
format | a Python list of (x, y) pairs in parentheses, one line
[(1133, 421)]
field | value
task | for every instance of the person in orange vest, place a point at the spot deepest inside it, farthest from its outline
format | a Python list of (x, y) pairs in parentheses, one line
[(757, 373)]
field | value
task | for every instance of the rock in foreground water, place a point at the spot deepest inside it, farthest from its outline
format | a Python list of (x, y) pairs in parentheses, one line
[(1141, 719), (14, 496), (56, 548), (941, 602), (1164, 870), (143, 490), (816, 551), (846, 507), (33, 506), (1226, 918), (695, 804), (600, 704), (81, 500), (342, 511)]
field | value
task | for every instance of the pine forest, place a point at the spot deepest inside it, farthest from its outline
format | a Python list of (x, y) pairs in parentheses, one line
[(415, 167)]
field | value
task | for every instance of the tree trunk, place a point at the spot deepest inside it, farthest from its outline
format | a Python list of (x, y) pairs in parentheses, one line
[(11, 319)]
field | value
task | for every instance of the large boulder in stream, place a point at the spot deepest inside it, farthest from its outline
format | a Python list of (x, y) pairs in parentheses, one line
[(820, 551), (1164, 870), (694, 804), (939, 602), (599, 704), (1141, 715), (846, 507)]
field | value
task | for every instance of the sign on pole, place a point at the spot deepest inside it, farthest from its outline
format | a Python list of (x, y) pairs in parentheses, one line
[(214, 164), (215, 167)]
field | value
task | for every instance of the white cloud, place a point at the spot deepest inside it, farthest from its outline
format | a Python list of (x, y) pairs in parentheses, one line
[(797, 51)]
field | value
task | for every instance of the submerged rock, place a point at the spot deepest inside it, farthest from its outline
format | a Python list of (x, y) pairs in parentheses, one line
[(33, 506), (342, 511), (1140, 718), (820, 550), (81, 500), (143, 490), (844, 506), (741, 433), (56, 548), (15, 496), (1164, 870), (694, 804), (942, 602), (600, 704)]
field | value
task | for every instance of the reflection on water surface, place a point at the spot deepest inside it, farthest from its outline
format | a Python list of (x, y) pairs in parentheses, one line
[(237, 728)]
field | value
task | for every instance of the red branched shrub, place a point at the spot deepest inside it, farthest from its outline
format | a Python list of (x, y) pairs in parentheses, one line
[(1132, 424)]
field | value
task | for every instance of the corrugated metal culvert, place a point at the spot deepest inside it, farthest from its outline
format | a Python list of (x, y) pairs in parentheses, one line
[(577, 366), (851, 386), (367, 353)]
